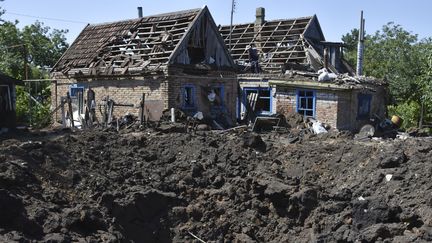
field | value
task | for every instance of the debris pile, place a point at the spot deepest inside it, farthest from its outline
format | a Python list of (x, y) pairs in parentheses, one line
[(107, 186)]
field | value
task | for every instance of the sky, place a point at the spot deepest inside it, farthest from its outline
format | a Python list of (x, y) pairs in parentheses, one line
[(337, 17)]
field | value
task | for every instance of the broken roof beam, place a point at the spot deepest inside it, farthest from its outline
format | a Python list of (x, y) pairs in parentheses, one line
[(162, 28), (300, 30)]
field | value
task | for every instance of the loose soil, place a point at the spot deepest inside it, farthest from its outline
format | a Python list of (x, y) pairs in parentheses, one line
[(162, 185)]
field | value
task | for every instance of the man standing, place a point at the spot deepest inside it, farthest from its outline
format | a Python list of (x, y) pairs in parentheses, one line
[(253, 59)]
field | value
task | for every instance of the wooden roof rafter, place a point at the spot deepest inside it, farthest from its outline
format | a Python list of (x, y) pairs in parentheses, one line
[(149, 39), (280, 41)]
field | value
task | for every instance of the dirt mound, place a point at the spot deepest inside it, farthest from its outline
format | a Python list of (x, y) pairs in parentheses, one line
[(166, 186)]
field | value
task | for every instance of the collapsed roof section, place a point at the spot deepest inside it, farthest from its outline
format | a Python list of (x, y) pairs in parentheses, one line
[(146, 44), (285, 44), (300, 79)]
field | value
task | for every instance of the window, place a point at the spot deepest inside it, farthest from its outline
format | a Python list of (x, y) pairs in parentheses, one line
[(364, 104), (306, 103), (259, 99), (216, 96), (196, 55), (188, 97), (74, 89), (76, 92)]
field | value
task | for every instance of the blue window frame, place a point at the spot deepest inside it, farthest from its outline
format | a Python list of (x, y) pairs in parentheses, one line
[(364, 104), (263, 103), (188, 96), (76, 92), (306, 103), (74, 89)]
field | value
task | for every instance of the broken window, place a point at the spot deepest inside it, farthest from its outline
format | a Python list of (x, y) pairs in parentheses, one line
[(306, 103), (77, 95), (259, 99), (364, 104), (188, 97), (196, 54), (75, 89), (216, 96)]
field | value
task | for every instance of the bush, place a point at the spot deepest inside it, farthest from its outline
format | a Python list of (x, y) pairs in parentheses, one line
[(39, 114), (408, 111)]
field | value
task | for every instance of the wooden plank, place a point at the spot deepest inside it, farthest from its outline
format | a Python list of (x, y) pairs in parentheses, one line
[(252, 99), (69, 102), (277, 48), (177, 27), (141, 111)]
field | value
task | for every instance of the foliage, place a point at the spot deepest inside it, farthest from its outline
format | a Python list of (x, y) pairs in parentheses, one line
[(397, 55), (28, 53), (408, 111), (350, 50)]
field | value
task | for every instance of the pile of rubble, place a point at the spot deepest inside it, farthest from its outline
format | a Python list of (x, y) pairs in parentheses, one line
[(212, 186)]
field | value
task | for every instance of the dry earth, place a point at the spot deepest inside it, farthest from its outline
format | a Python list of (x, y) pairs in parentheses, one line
[(167, 186)]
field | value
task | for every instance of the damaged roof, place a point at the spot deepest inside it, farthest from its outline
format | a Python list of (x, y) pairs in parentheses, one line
[(311, 80), (296, 43), (148, 43)]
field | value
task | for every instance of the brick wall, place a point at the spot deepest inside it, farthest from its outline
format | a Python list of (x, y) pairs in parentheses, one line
[(345, 110), (327, 107), (350, 106), (200, 85), (336, 108), (326, 104), (285, 101), (122, 92), (161, 93)]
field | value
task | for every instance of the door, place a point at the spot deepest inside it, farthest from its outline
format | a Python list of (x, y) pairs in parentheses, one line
[(7, 112)]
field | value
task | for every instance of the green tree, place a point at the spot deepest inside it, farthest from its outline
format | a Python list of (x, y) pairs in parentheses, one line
[(28, 53), (391, 54), (425, 80), (350, 50), (397, 55)]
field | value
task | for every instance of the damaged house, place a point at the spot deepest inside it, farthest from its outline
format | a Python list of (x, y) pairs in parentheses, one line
[(280, 61), (7, 100), (169, 60)]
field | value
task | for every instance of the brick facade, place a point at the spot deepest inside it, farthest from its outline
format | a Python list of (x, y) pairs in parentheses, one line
[(337, 108), (326, 104), (201, 85), (161, 92)]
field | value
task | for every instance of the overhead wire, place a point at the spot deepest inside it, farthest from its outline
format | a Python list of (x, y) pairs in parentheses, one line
[(46, 18)]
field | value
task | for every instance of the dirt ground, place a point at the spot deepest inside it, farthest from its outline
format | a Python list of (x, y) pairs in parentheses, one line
[(162, 185)]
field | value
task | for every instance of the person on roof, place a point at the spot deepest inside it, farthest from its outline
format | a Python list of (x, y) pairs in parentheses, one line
[(253, 58)]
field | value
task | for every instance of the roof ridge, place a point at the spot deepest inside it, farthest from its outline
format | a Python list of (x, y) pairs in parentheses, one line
[(194, 10), (274, 20)]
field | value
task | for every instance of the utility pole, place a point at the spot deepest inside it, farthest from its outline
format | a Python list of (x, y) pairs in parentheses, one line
[(360, 47), (29, 83), (231, 25)]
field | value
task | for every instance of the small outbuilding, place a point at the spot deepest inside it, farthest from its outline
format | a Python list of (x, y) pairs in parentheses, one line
[(344, 102), (8, 100)]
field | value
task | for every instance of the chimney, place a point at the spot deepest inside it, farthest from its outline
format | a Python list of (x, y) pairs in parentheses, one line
[(326, 61), (260, 16), (140, 12)]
